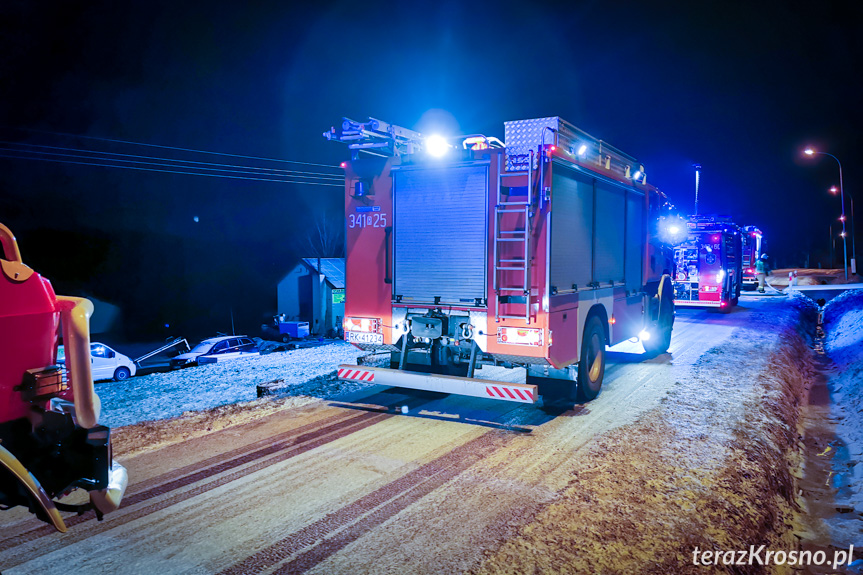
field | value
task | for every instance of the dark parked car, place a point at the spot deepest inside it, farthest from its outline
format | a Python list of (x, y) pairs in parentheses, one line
[(215, 349)]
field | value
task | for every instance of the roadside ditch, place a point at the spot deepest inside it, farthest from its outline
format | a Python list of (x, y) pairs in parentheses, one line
[(830, 482)]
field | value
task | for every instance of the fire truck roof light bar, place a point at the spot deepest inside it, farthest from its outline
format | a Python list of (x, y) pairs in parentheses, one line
[(473, 139), (380, 138)]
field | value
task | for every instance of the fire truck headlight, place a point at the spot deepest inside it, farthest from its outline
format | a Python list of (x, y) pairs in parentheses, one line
[(644, 335), (436, 146)]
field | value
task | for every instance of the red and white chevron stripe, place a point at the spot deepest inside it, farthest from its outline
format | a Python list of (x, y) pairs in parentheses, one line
[(357, 375), (512, 393)]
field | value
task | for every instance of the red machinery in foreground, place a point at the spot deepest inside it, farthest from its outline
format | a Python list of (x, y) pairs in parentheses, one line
[(50, 439), (537, 253), (753, 248), (708, 264)]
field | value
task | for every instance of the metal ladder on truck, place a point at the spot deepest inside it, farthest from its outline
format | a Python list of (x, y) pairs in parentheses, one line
[(503, 237)]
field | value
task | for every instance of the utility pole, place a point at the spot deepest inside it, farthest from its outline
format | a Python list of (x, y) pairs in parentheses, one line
[(697, 179)]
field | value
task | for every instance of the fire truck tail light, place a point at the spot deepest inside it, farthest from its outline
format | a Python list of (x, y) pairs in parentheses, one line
[(519, 336), (363, 324)]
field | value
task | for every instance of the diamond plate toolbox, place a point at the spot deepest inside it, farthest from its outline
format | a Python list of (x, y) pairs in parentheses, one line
[(522, 136)]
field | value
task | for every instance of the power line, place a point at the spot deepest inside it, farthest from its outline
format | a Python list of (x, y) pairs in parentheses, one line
[(277, 170), (244, 170), (172, 147), (167, 171)]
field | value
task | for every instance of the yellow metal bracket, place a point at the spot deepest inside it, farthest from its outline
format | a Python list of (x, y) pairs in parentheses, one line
[(26, 478)]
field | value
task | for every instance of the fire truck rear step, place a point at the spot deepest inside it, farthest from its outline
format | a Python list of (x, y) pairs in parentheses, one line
[(489, 389)]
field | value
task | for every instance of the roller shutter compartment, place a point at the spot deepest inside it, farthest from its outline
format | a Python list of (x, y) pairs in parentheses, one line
[(439, 234)]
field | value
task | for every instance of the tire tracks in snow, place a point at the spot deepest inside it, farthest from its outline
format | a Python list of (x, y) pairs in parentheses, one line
[(312, 544), (143, 499)]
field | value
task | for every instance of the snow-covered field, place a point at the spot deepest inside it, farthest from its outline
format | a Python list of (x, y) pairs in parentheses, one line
[(164, 395)]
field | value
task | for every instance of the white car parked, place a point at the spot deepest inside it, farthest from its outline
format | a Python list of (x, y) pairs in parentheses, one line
[(105, 363)]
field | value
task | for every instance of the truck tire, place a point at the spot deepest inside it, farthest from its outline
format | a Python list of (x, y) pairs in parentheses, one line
[(591, 365), (660, 338)]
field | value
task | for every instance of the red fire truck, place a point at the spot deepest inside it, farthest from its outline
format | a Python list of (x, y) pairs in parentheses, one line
[(753, 248), (50, 439), (708, 270), (535, 253)]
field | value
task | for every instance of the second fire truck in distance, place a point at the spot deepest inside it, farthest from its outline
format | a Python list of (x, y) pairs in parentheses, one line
[(753, 249), (537, 252), (708, 271)]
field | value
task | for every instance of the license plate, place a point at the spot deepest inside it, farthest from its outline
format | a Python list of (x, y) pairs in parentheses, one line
[(361, 337)]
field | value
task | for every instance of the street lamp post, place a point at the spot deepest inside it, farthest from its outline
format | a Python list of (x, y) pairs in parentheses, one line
[(810, 152), (835, 190)]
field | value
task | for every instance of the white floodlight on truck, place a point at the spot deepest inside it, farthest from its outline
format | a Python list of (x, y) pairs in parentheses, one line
[(437, 146)]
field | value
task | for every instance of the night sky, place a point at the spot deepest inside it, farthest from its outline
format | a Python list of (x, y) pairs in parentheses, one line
[(739, 87)]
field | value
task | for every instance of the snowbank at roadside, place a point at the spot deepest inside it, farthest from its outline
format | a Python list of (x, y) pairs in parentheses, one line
[(843, 325), (164, 395)]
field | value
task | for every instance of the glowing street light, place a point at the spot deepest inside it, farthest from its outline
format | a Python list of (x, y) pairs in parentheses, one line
[(811, 152)]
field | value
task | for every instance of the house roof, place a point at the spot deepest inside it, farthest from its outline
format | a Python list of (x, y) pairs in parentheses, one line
[(332, 268)]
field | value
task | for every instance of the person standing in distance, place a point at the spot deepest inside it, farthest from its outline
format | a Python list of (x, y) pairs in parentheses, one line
[(761, 272)]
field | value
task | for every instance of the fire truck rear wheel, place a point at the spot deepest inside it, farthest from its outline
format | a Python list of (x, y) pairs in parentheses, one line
[(591, 367)]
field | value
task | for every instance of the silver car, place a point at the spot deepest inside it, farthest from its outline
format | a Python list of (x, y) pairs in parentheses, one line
[(217, 349)]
